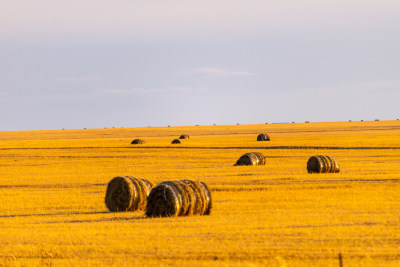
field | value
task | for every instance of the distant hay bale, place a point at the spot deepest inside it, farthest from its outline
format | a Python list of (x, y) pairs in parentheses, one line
[(184, 136), (263, 137), (126, 193), (138, 141), (179, 198), (252, 158), (322, 164), (176, 141)]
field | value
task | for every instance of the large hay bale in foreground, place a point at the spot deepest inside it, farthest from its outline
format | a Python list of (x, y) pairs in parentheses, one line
[(138, 141), (252, 158), (176, 141), (322, 164), (179, 198), (263, 137), (126, 193), (184, 136)]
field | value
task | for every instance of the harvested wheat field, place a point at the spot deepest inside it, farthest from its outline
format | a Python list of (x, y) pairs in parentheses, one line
[(53, 186)]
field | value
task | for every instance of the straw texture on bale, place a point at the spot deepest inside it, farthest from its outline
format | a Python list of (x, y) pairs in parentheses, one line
[(184, 136), (263, 137), (138, 141), (176, 141), (179, 198), (252, 158), (322, 164), (126, 193)]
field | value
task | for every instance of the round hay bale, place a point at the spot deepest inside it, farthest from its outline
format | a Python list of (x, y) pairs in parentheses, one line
[(263, 137), (315, 164), (322, 164), (164, 201), (120, 194), (176, 141), (252, 158), (138, 141), (125, 193), (179, 198), (184, 136)]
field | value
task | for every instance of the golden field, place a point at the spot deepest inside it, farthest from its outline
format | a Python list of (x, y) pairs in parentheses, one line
[(53, 183)]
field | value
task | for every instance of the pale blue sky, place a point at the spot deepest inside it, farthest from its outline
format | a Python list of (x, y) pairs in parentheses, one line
[(93, 63)]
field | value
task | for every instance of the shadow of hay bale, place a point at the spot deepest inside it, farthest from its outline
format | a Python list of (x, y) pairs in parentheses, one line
[(179, 198), (138, 141), (126, 193), (263, 137), (322, 164), (252, 158)]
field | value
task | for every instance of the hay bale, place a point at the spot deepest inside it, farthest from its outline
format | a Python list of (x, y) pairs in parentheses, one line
[(138, 141), (176, 141), (179, 198), (252, 158), (164, 201), (263, 137), (261, 158), (200, 198), (184, 136), (322, 164), (126, 193)]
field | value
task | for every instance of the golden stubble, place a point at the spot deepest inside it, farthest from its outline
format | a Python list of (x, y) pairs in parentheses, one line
[(53, 184)]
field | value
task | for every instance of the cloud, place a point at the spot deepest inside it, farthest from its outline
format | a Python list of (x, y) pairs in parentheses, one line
[(223, 72), (79, 79), (134, 91)]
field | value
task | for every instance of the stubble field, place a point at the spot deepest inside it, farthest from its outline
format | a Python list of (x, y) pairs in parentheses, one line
[(53, 183)]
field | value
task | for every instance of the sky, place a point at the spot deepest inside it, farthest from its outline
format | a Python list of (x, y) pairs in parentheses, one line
[(133, 63)]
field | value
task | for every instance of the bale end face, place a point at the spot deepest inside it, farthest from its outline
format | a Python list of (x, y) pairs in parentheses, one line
[(163, 201), (120, 194), (176, 141)]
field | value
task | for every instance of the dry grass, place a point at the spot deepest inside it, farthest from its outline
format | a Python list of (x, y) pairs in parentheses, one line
[(53, 185)]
